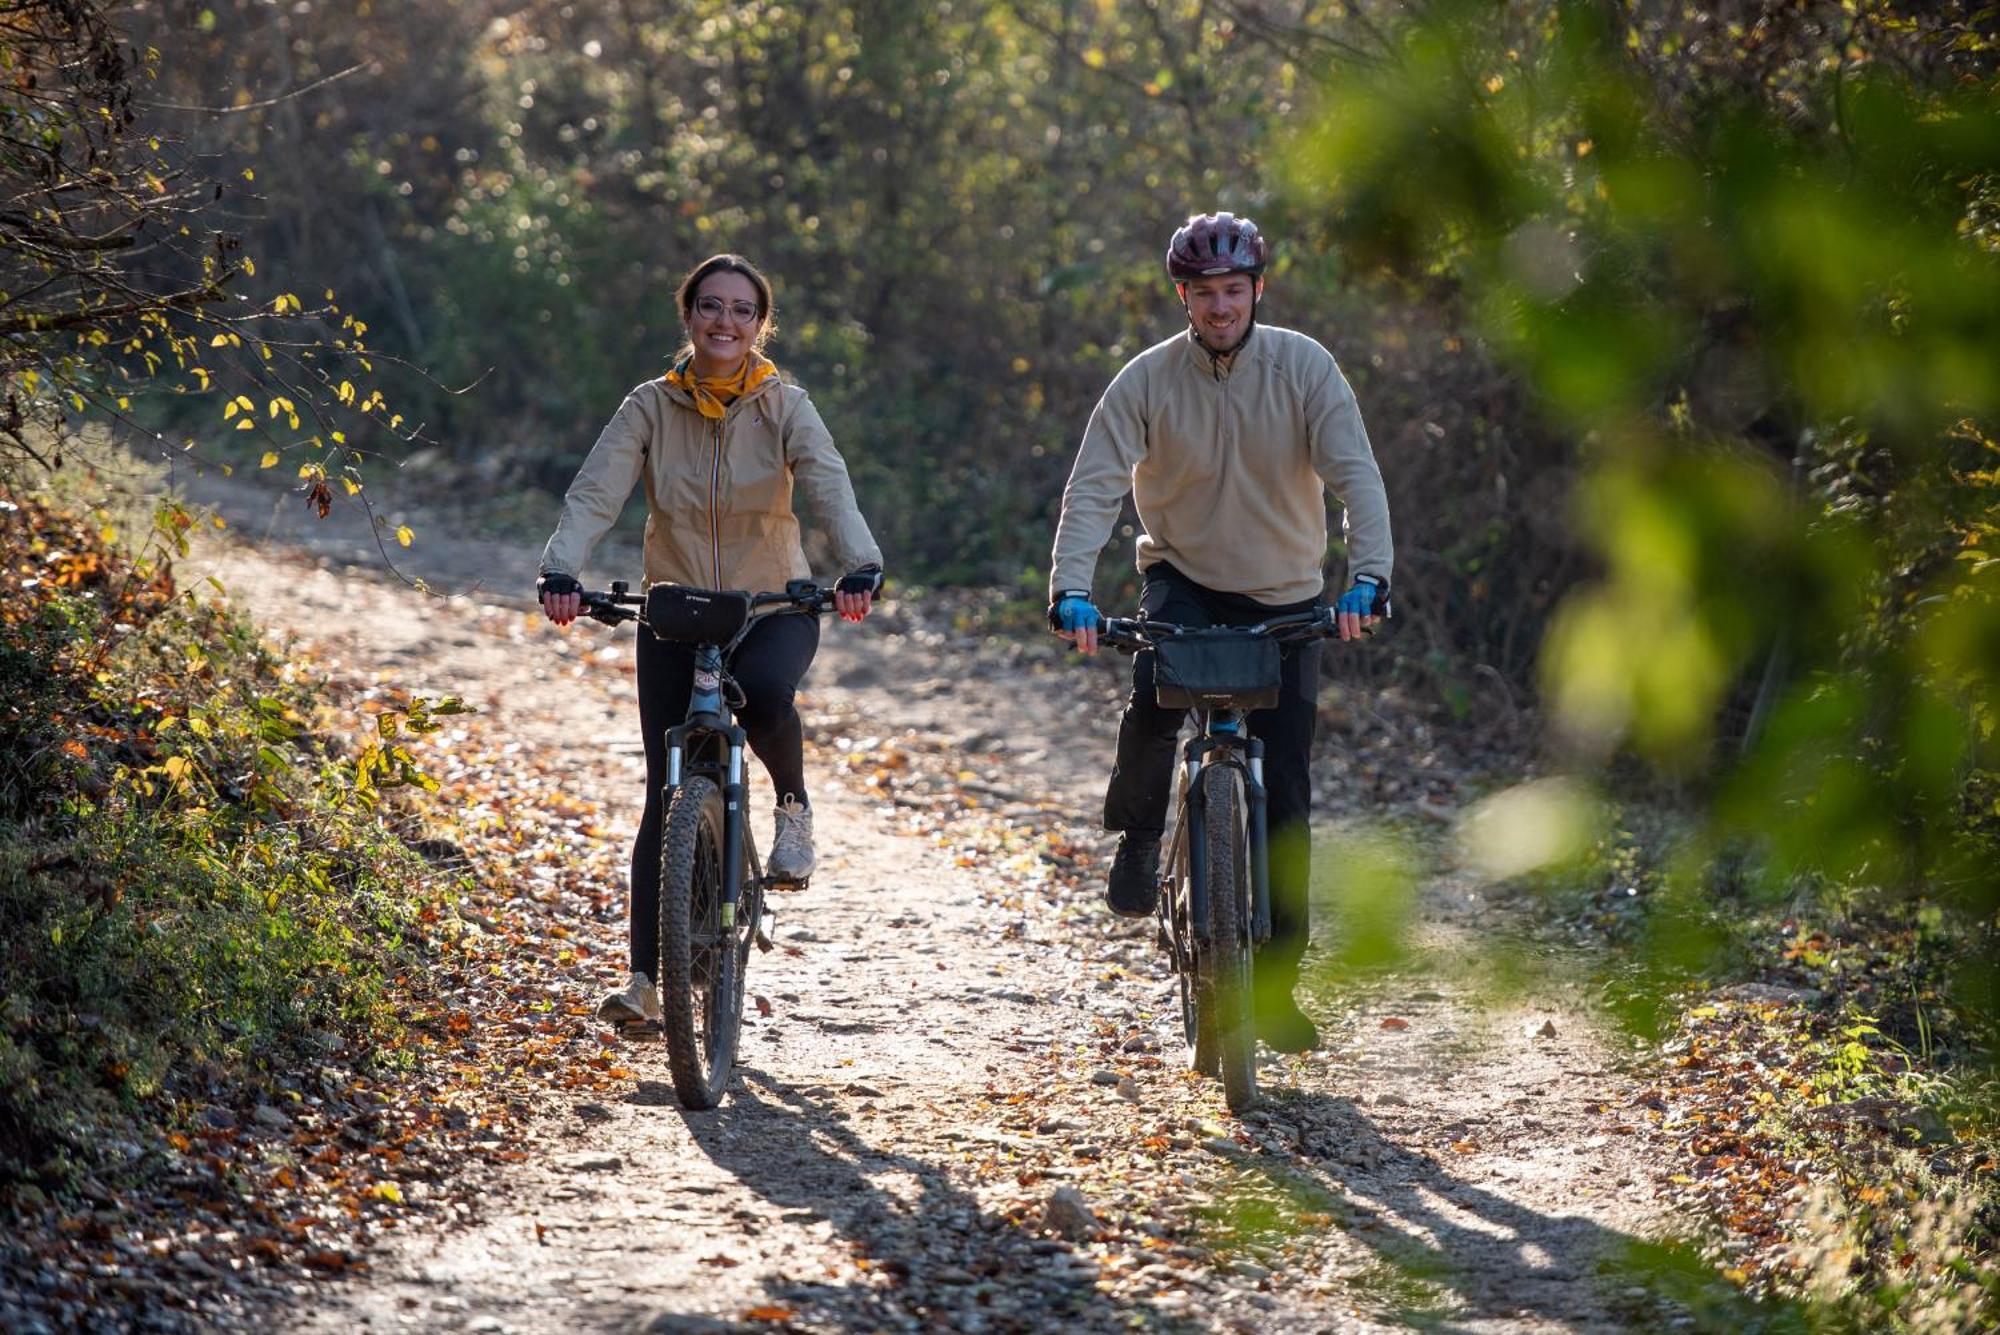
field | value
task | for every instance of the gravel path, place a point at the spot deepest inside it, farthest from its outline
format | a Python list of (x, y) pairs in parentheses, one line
[(967, 1107)]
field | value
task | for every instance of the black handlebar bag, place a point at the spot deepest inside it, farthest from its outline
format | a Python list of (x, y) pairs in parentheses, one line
[(680, 615), (1216, 670)]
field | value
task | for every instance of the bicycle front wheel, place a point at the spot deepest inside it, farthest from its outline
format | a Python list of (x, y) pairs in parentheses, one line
[(701, 969), (1225, 957)]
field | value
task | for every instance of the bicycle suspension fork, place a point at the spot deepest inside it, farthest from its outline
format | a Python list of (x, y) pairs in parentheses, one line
[(1226, 730), (706, 713)]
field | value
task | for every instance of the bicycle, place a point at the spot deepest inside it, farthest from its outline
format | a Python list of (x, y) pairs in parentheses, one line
[(1215, 906), (712, 885)]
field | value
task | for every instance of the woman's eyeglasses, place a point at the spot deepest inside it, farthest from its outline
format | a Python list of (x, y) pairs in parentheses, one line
[(713, 308)]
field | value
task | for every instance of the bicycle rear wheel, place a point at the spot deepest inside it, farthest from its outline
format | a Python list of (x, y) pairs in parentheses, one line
[(1223, 988), (701, 960)]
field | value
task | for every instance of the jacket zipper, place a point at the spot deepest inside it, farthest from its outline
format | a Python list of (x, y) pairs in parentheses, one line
[(715, 502)]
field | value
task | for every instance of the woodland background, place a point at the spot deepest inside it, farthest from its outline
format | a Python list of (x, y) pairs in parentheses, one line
[(1676, 327)]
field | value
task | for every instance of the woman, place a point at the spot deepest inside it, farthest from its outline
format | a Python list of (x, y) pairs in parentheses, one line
[(719, 440)]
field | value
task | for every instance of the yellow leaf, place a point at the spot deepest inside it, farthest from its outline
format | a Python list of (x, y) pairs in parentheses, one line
[(347, 391), (249, 266), (246, 424), (387, 1191), (404, 535), (219, 341), (353, 487), (270, 459)]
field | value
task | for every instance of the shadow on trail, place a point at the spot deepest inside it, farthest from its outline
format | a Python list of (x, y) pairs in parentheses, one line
[(1451, 1252), (800, 1153)]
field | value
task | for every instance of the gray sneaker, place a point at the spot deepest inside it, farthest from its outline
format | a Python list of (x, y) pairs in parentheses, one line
[(638, 1002), (792, 848)]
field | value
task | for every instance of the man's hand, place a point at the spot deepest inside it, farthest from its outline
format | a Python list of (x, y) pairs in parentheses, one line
[(854, 593), (1358, 611), (1076, 619), (562, 597)]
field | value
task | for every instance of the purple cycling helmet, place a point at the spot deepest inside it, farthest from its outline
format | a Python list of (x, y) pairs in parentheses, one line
[(1216, 243)]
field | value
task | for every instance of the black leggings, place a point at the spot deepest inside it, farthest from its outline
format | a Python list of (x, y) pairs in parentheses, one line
[(768, 666), (1137, 796)]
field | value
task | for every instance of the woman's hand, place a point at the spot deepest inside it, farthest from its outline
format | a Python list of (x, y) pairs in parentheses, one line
[(854, 594), (562, 597)]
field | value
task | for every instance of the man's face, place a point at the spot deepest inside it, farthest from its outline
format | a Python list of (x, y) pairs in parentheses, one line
[(1219, 308)]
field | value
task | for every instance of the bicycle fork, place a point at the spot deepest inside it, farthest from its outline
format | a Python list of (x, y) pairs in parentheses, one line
[(706, 714), (1224, 733)]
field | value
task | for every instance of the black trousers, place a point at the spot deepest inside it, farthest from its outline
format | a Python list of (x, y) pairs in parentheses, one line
[(768, 666), (1137, 796)]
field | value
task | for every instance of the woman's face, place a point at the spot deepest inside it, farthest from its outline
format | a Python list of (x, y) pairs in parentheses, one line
[(724, 324)]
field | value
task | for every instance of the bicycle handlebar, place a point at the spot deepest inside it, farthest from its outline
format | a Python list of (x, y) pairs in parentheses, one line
[(1140, 633), (619, 605)]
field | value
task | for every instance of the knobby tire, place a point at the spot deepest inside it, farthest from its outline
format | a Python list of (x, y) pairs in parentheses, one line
[(701, 969), (1225, 958)]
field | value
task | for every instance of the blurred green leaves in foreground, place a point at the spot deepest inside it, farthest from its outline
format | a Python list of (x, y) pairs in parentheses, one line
[(1754, 277)]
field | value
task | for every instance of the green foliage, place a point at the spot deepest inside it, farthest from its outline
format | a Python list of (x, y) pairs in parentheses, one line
[(193, 886), (1764, 312)]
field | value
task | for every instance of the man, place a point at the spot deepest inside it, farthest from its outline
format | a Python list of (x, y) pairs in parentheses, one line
[(1227, 436)]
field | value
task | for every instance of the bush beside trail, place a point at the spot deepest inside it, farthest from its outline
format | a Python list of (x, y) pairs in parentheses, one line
[(208, 914)]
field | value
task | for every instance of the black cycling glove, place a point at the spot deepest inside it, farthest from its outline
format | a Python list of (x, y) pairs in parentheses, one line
[(868, 579), (557, 583)]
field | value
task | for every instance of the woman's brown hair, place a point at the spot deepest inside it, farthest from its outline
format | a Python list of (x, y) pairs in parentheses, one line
[(714, 264)]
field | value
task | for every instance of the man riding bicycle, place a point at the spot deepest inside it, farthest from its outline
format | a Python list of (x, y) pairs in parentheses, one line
[(1226, 435)]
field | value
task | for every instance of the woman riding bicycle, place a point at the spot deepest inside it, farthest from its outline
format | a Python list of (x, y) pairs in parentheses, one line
[(719, 439)]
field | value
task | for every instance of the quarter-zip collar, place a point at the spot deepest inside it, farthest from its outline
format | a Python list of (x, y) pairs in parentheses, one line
[(1221, 368)]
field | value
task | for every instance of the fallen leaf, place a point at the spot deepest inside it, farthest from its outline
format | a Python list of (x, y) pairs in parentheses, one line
[(763, 1006), (1395, 1022)]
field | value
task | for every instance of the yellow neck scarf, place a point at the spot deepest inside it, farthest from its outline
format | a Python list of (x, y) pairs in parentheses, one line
[(713, 394)]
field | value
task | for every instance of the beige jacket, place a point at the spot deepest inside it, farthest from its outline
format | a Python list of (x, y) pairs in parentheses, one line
[(718, 493), (1228, 470)]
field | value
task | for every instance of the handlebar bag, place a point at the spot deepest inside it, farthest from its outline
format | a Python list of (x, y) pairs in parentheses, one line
[(681, 615), (1216, 670)]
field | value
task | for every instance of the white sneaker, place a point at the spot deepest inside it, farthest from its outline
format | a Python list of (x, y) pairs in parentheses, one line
[(638, 1002), (792, 848)]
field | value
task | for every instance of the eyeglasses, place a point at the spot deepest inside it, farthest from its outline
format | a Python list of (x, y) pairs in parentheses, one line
[(712, 308)]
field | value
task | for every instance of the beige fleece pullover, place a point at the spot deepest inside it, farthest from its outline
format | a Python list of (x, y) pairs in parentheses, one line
[(718, 493), (1228, 467)]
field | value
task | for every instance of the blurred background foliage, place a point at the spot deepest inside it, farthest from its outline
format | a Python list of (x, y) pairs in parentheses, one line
[(1674, 325), (1743, 261)]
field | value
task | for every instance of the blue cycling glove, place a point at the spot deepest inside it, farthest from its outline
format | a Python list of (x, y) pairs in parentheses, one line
[(1367, 598), (1072, 612)]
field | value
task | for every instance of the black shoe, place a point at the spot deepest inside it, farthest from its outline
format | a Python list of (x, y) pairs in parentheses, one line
[(1284, 1027), (1135, 875)]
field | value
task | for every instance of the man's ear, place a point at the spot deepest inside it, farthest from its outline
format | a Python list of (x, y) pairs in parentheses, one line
[(1180, 289), (1259, 293)]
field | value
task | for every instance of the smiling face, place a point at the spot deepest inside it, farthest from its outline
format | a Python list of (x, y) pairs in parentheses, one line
[(717, 325), (1219, 308)]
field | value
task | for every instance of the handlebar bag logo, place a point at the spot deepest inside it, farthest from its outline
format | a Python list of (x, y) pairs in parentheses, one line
[(680, 615)]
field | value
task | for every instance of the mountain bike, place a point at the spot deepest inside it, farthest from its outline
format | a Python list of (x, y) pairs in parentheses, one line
[(712, 886), (1215, 901)]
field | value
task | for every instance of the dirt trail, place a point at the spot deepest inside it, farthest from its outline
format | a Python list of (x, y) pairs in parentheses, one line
[(956, 1031)]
